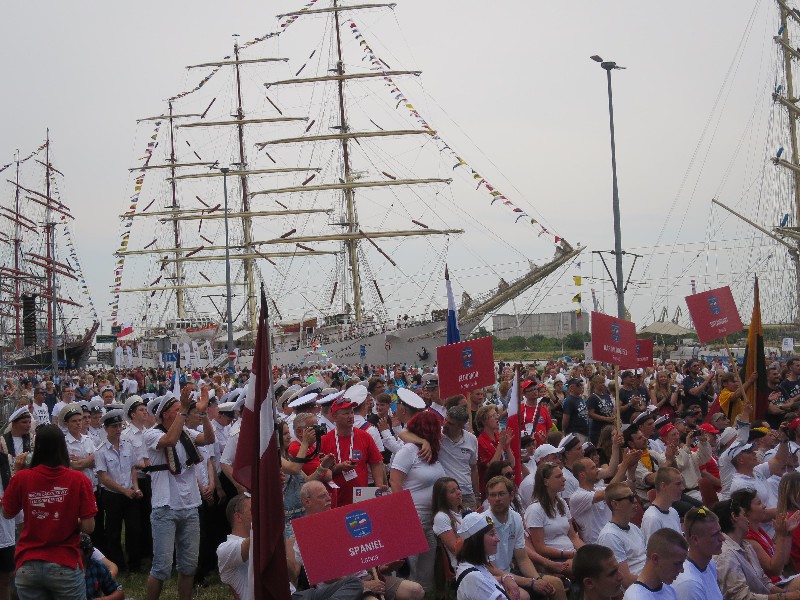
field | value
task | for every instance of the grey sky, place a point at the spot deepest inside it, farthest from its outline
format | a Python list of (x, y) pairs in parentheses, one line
[(515, 75)]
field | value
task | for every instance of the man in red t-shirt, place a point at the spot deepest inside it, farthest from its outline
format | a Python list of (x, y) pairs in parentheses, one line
[(533, 408), (354, 451)]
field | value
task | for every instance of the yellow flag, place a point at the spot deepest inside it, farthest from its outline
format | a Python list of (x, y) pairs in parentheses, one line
[(576, 297), (576, 279)]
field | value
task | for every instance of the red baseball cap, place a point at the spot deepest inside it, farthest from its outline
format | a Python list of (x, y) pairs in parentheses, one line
[(793, 425), (340, 404), (664, 431), (709, 428)]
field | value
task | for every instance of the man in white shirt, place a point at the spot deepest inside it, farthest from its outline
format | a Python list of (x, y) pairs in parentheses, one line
[(751, 473), (39, 410), (622, 536), (669, 489), (587, 504), (458, 454), (699, 578), (233, 554), (666, 553), (176, 496)]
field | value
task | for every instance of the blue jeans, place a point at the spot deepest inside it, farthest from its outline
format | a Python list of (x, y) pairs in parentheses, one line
[(177, 530), (40, 580)]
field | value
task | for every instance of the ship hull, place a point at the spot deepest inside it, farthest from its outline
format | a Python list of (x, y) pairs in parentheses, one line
[(76, 356)]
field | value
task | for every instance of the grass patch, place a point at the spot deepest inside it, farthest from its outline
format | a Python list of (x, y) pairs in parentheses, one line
[(135, 585)]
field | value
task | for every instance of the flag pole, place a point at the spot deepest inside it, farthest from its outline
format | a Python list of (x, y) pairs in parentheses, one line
[(732, 359), (617, 414)]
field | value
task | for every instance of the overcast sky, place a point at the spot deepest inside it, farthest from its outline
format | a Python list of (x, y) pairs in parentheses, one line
[(515, 75)]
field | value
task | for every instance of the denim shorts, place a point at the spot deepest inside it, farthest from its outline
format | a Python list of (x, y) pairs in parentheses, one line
[(177, 530), (40, 580)]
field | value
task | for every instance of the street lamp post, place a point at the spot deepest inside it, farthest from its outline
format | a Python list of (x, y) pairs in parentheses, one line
[(608, 66), (228, 267)]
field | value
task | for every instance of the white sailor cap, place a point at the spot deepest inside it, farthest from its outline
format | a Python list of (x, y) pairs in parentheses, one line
[(106, 388), (227, 407), (132, 403), (148, 396), (357, 394), (569, 442), (112, 417), (312, 387), (21, 413), (240, 402), (84, 405), (329, 398), (473, 523), (328, 391), (152, 404), (737, 449), (93, 398), (409, 398), (69, 410), (290, 394), (307, 399), (97, 405), (643, 416), (545, 450), (166, 401)]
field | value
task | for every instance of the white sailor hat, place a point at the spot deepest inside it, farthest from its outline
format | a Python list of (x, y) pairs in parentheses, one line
[(737, 449), (328, 391), (240, 402), (227, 407), (112, 417), (115, 406), (430, 380), (166, 401), (661, 421), (329, 398), (569, 442), (84, 405), (132, 403), (644, 415), (473, 523), (93, 398), (364, 382), (69, 410), (97, 405), (305, 400), (21, 413), (152, 404), (148, 396), (106, 388), (312, 387), (356, 394), (289, 395), (409, 398)]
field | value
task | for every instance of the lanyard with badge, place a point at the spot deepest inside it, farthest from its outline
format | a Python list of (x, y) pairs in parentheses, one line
[(350, 474)]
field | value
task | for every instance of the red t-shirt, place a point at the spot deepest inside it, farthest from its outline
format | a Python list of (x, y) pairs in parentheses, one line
[(365, 453), (311, 466), (487, 446), (541, 428), (52, 500)]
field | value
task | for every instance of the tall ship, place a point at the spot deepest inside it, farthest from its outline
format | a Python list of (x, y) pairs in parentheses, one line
[(304, 162), (47, 317)]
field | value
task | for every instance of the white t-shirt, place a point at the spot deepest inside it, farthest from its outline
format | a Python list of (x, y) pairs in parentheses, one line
[(232, 569), (41, 415), (441, 524), (458, 458), (628, 545), (478, 584), (525, 491), (759, 482), (639, 591), (694, 584), (570, 485), (420, 477), (556, 529), (176, 491), (512, 537), (590, 516), (654, 519), (7, 527)]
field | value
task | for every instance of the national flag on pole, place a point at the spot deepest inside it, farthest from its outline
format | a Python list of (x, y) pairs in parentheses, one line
[(176, 385), (453, 335), (257, 468), (754, 360), (513, 424)]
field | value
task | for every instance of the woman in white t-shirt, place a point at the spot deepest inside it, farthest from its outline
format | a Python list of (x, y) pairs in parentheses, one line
[(548, 519), (447, 518), (412, 473), (475, 582)]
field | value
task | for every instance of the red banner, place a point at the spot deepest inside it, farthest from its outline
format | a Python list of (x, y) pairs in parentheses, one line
[(644, 353), (613, 340), (714, 314), (465, 366), (351, 538)]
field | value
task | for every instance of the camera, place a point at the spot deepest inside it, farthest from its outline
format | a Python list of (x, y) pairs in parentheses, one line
[(319, 431)]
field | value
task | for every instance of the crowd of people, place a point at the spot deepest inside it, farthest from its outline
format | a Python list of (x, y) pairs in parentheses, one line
[(690, 497)]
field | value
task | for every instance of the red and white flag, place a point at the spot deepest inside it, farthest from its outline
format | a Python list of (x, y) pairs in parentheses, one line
[(513, 424), (257, 468)]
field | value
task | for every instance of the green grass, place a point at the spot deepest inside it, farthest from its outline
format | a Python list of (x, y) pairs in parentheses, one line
[(135, 585)]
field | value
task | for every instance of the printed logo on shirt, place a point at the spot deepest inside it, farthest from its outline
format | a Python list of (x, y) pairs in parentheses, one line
[(358, 524), (356, 455), (56, 495)]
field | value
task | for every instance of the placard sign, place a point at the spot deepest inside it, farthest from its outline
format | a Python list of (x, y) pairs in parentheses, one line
[(644, 353), (714, 314), (345, 540), (465, 366), (613, 340)]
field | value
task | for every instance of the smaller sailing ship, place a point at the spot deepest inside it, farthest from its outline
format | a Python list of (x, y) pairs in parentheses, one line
[(47, 317)]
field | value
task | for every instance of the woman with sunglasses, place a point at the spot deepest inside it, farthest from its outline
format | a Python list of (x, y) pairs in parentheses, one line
[(549, 521), (473, 579)]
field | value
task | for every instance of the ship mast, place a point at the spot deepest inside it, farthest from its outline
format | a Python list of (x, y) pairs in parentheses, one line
[(17, 250), (50, 228), (175, 225), (246, 220), (352, 225)]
